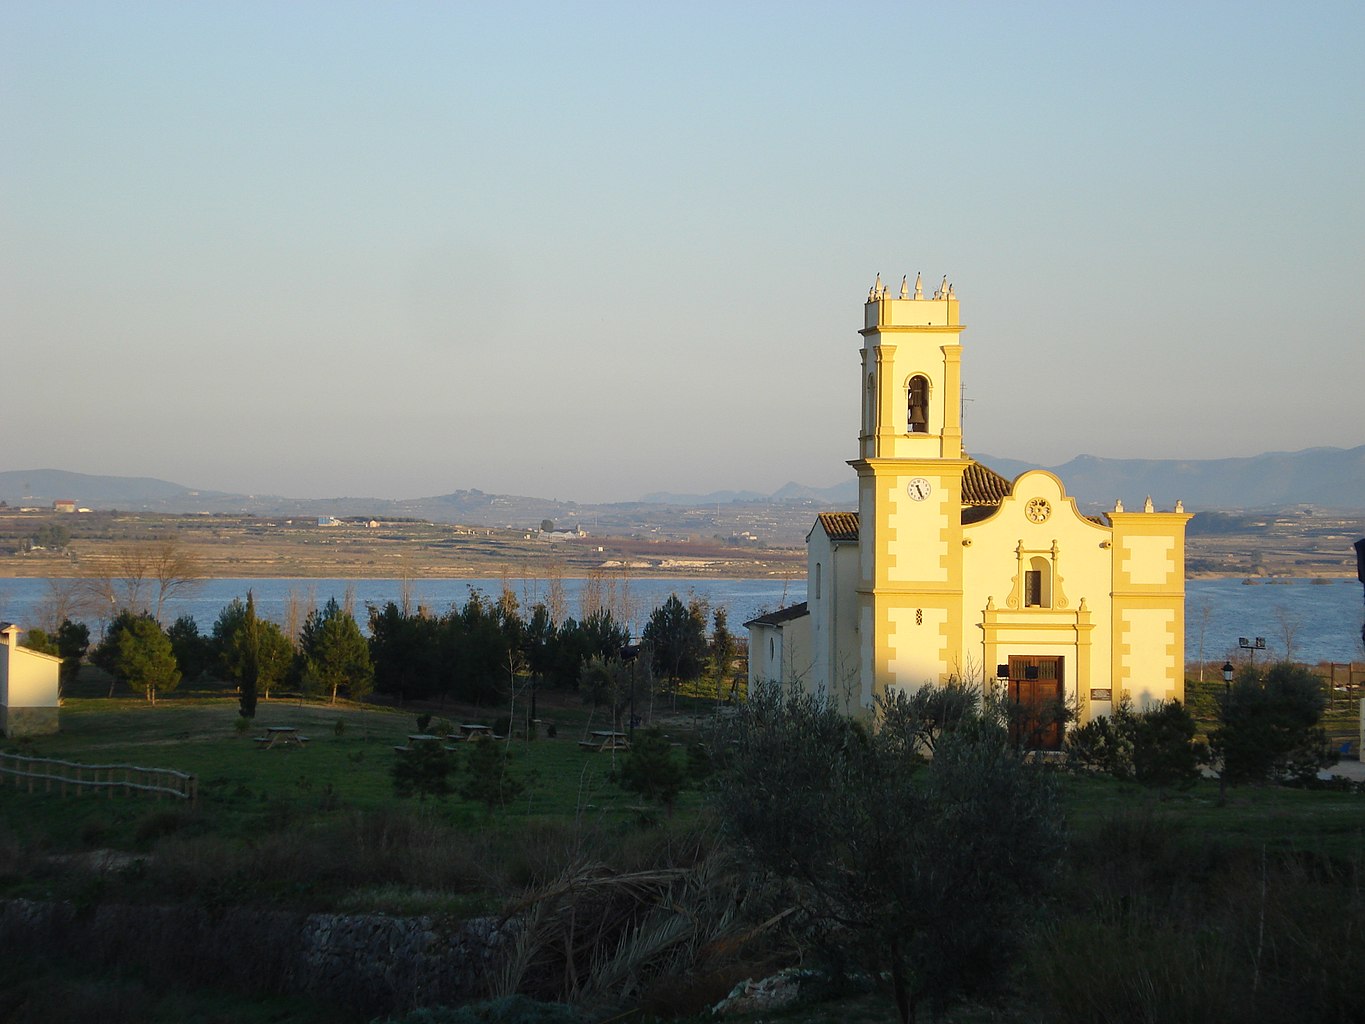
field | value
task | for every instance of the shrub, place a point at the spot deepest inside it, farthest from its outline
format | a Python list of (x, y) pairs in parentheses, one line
[(1268, 727), (1157, 746), (1164, 750), (1101, 746), (651, 770), (422, 771), (488, 779)]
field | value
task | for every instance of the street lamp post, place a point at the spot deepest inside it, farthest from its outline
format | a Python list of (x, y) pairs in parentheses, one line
[(1252, 645), (1228, 671), (629, 653)]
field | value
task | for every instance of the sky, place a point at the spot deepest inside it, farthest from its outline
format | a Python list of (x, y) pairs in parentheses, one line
[(591, 251)]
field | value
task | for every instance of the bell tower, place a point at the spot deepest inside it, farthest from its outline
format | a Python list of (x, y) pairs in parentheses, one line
[(910, 469)]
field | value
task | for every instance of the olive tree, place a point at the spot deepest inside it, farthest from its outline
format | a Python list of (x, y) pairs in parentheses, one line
[(921, 870)]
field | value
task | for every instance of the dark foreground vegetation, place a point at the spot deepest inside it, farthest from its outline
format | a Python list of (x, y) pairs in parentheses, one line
[(731, 842)]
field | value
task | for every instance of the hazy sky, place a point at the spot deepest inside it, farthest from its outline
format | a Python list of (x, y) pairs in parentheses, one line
[(588, 251)]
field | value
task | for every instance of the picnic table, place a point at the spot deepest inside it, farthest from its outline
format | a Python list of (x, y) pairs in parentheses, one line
[(419, 739), (605, 739), (472, 730), (284, 735)]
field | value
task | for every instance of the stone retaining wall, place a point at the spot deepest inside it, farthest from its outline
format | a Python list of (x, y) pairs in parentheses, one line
[(372, 962)]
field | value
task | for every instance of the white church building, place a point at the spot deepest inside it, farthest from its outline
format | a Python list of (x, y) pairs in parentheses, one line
[(949, 571)]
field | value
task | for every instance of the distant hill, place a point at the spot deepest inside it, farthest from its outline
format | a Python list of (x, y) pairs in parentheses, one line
[(1324, 477), (790, 493), (44, 486)]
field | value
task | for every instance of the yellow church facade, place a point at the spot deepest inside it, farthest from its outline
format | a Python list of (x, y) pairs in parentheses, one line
[(949, 571)]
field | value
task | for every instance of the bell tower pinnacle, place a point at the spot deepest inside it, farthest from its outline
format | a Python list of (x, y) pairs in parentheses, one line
[(912, 395)]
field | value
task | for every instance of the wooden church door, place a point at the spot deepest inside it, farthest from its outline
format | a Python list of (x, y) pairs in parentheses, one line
[(1036, 695)]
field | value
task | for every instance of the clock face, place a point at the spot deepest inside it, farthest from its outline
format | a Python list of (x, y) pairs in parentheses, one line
[(1038, 510), (919, 488)]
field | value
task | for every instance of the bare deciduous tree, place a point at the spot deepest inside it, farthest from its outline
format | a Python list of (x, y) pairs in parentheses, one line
[(65, 599), (1289, 624), (176, 570), (141, 576), (555, 602), (590, 598)]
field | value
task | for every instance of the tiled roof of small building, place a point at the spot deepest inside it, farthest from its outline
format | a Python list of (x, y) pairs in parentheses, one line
[(780, 616), (842, 526)]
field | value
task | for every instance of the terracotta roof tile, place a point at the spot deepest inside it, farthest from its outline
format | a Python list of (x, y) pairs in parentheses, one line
[(842, 526), (982, 486)]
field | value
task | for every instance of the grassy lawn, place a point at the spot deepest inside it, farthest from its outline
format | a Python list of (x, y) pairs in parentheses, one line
[(319, 793), (319, 827), (1270, 817), (346, 767)]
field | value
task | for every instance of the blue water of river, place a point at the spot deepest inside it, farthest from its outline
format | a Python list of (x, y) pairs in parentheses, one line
[(1318, 621)]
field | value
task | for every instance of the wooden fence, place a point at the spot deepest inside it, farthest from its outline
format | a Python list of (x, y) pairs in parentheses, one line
[(45, 773)]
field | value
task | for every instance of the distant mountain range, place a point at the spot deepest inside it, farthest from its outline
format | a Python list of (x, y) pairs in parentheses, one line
[(1324, 477)]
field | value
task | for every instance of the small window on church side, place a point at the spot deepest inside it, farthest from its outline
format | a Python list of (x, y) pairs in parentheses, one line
[(817, 581), (917, 405)]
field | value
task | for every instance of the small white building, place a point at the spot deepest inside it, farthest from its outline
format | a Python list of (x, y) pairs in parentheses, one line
[(29, 687)]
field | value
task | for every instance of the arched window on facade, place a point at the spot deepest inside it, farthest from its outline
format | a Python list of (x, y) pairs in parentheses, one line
[(817, 581), (870, 406), (917, 405), (1038, 584)]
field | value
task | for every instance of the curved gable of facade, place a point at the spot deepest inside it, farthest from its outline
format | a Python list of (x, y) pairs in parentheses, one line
[(1029, 488)]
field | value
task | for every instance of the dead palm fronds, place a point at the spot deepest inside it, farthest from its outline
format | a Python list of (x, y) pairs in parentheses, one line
[(598, 934)]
